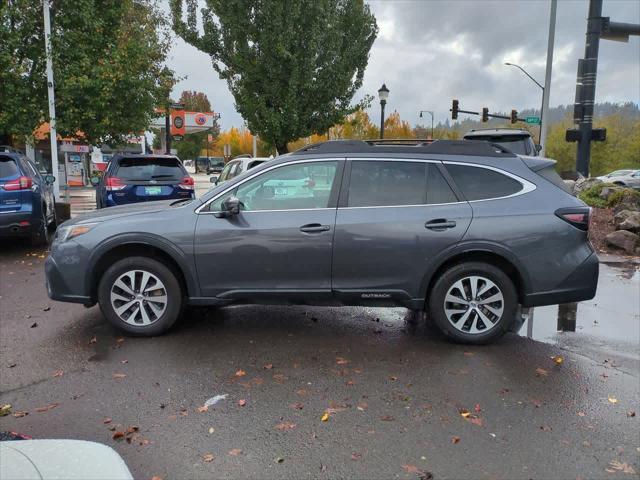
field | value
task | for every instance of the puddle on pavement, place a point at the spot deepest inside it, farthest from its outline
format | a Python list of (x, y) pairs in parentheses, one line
[(612, 317)]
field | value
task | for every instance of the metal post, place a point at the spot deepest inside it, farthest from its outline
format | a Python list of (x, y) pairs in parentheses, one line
[(588, 90), (544, 113), (167, 127), (382, 104), (52, 100), (431, 125), (567, 313), (255, 146)]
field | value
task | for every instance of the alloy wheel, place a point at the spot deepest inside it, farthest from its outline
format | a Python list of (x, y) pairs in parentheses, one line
[(138, 297), (474, 305)]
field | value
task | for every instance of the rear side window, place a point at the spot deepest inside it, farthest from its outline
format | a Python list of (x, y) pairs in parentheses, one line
[(380, 183), (133, 169), (8, 167), (481, 183)]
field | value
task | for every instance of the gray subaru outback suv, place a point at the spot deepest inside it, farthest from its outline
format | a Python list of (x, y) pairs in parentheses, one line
[(465, 230)]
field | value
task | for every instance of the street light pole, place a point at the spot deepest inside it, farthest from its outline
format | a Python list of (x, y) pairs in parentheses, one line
[(544, 113), (430, 112), (543, 95), (383, 94), (52, 99)]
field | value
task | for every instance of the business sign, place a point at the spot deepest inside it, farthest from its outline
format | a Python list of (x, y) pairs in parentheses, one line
[(68, 147), (200, 119), (533, 120), (177, 123)]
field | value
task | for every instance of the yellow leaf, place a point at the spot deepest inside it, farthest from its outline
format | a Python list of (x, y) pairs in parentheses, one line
[(325, 417), (613, 400), (558, 359), (465, 413)]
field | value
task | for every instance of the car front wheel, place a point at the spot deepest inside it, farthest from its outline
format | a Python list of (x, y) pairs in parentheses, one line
[(140, 296), (473, 303)]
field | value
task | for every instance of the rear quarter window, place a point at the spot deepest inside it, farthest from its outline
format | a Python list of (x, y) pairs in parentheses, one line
[(479, 183), (8, 167)]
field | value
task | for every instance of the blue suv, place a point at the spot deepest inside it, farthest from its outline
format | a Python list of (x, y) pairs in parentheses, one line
[(27, 203), (143, 178)]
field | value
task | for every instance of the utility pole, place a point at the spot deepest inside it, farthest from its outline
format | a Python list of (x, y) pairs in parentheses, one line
[(52, 99), (544, 113), (167, 131)]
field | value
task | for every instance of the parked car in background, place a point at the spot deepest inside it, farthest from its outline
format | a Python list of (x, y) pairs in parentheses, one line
[(515, 140), (460, 229), (143, 178), (215, 165), (623, 178), (238, 165), (27, 203)]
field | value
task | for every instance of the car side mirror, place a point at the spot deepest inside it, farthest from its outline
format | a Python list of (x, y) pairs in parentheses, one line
[(95, 181), (49, 179), (538, 148), (230, 207)]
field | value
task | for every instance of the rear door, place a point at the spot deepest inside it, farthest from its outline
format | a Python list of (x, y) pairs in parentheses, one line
[(393, 217), (11, 198), (148, 179)]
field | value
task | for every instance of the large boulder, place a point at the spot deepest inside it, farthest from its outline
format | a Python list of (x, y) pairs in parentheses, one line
[(570, 185), (606, 192), (583, 184), (630, 221), (624, 240), (630, 202)]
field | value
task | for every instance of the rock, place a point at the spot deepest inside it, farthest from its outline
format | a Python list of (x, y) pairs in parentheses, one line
[(624, 240), (583, 184), (621, 216), (570, 185), (630, 223), (606, 192)]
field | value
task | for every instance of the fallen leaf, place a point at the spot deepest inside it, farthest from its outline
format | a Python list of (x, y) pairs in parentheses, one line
[(58, 373), (184, 412), (240, 373), (616, 466), (132, 429), (297, 406), (356, 456), (119, 375), (47, 408), (455, 439), (208, 457), (11, 365), (541, 372), (324, 417), (20, 414), (279, 378), (631, 414), (5, 410), (203, 409), (362, 406), (476, 421), (581, 414), (268, 366), (34, 325), (302, 392), (341, 361), (387, 418), (477, 408), (106, 420), (46, 309), (242, 402), (120, 339), (558, 359), (211, 430), (124, 361), (234, 452), (156, 477), (393, 379), (465, 413), (279, 460), (469, 354), (545, 428), (613, 400), (285, 426), (118, 436), (93, 340)]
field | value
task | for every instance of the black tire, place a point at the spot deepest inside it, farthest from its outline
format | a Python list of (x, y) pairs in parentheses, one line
[(40, 232), (174, 296), (53, 226), (436, 302)]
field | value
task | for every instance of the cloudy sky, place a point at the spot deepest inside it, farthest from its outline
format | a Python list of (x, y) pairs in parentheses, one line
[(430, 51)]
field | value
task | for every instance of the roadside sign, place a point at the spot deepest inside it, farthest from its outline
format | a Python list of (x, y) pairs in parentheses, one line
[(177, 138), (533, 120)]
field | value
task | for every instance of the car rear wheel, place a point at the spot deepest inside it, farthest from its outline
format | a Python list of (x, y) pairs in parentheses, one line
[(140, 296), (40, 233), (473, 303)]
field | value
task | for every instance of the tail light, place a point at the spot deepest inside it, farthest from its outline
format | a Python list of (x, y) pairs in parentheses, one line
[(578, 217), (188, 183), (22, 183), (114, 183)]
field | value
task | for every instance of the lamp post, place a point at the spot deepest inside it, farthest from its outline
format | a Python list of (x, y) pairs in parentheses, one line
[(383, 94), (430, 112), (541, 87)]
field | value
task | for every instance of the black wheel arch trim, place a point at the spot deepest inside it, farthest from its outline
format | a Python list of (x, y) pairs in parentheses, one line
[(170, 249), (471, 247)]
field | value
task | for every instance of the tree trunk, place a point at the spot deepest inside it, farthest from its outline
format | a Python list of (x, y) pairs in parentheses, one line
[(282, 148)]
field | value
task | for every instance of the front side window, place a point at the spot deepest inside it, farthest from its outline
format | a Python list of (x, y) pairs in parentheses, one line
[(384, 183), (479, 183), (290, 187)]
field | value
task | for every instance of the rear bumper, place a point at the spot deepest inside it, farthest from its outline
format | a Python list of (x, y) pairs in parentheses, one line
[(57, 288), (579, 286), (13, 224)]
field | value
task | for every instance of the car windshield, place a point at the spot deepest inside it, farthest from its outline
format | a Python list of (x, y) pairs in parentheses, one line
[(8, 167), (216, 163), (514, 143), (149, 168)]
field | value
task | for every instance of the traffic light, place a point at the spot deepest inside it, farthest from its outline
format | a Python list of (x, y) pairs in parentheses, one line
[(514, 116), (485, 114), (454, 110)]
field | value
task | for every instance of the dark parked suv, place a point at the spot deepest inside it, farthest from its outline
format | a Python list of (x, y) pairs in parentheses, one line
[(464, 230)]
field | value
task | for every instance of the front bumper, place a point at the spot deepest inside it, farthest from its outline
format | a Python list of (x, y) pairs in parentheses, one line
[(59, 288), (579, 286)]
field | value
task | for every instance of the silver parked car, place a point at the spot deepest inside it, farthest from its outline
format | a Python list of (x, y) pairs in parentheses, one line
[(461, 229), (623, 178)]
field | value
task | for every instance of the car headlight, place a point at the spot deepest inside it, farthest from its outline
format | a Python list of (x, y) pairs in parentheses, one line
[(72, 231)]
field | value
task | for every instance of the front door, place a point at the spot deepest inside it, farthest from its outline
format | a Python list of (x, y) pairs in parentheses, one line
[(280, 243), (393, 218)]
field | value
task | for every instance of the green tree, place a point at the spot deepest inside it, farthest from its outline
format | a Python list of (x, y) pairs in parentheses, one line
[(107, 60), (195, 101), (293, 67)]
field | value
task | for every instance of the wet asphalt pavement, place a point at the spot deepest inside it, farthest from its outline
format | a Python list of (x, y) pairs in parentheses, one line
[(393, 389)]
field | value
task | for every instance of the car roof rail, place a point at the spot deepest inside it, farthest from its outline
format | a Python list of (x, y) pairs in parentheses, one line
[(10, 149), (441, 147)]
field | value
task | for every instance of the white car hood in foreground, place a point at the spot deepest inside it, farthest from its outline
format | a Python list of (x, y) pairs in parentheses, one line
[(60, 459)]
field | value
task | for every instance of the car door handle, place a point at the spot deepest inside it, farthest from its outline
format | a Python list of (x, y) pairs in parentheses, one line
[(314, 228), (439, 224)]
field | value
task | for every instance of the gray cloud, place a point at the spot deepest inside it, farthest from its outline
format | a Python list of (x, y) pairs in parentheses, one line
[(431, 51)]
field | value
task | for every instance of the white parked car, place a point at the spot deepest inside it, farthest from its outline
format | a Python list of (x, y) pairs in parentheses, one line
[(236, 166), (624, 178)]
